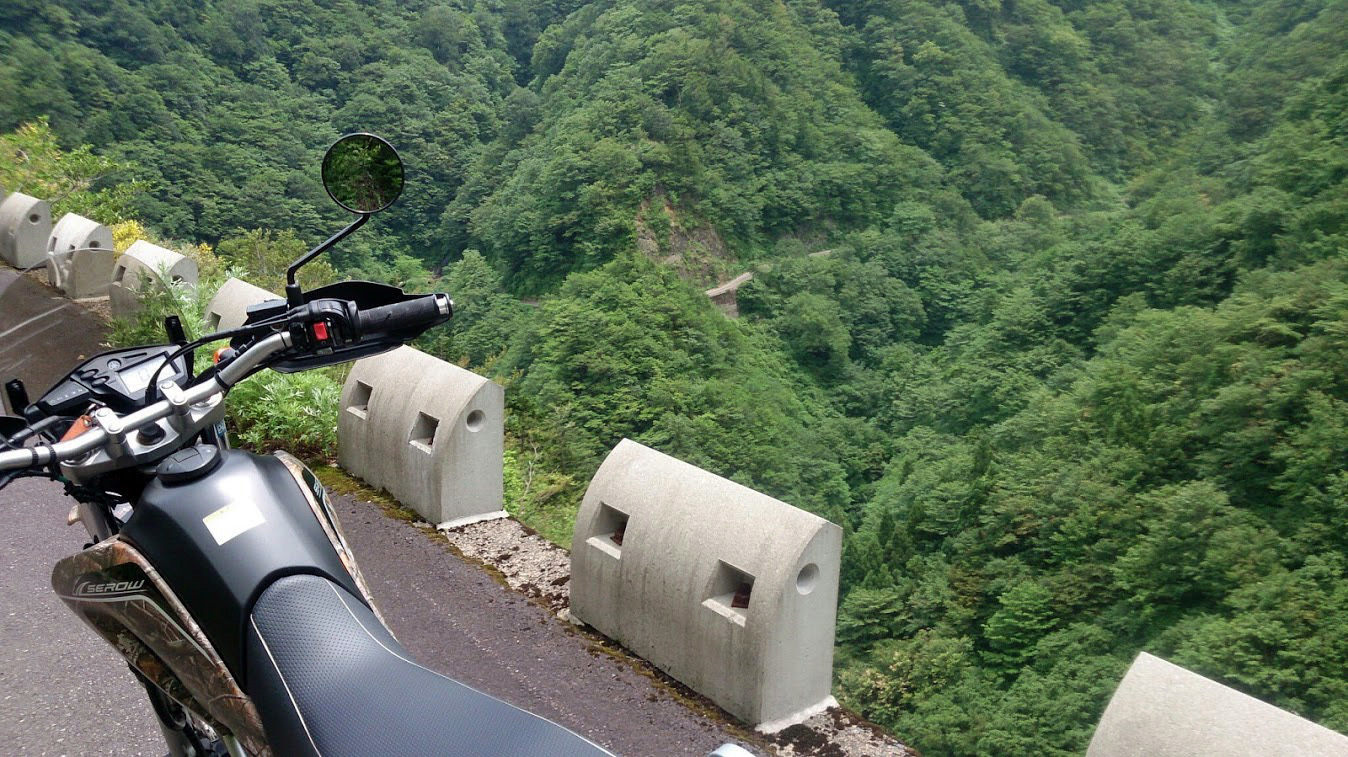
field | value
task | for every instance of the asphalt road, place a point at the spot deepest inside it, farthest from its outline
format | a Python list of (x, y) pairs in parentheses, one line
[(42, 334), (63, 691)]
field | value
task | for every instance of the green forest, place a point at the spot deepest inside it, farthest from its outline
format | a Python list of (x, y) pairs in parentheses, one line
[(1049, 307)]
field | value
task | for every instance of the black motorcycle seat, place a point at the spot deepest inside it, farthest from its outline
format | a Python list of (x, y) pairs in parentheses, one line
[(328, 679)]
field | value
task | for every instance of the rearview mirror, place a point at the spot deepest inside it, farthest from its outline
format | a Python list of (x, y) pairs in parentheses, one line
[(363, 173)]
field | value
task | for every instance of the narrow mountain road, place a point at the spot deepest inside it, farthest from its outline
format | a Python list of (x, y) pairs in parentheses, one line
[(62, 689)]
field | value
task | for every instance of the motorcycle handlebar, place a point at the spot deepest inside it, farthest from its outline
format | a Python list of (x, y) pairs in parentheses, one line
[(176, 400), (109, 428)]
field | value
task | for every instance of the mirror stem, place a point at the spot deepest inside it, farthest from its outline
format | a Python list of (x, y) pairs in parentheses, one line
[(294, 296)]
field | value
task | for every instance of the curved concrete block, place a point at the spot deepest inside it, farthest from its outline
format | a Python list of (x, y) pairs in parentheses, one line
[(144, 264), (729, 591), (80, 257), (229, 306), (429, 432), (1163, 710), (25, 226)]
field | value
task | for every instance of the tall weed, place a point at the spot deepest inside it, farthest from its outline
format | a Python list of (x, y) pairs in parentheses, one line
[(292, 411)]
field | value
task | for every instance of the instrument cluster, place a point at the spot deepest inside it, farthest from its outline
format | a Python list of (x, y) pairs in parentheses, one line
[(115, 379)]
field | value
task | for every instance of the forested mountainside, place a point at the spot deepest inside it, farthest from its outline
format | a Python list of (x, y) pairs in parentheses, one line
[(1071, 374)]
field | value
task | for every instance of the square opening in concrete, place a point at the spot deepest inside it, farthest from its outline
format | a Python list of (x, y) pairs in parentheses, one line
[(118, 273), (360, 400), (729, 592), (608, 531), (212, 321), (423, 432)]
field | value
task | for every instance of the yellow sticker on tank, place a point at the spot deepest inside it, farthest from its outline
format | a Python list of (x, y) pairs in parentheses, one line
[(232, 520)]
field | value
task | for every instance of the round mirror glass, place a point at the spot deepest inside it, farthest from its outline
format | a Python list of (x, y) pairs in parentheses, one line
[(363, 173)]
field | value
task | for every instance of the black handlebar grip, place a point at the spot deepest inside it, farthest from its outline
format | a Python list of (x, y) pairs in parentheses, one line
[(428, 310)]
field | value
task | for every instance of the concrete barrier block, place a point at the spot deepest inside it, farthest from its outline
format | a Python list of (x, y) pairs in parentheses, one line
[(25, 227), (429, 432), (80, 257), (147, 265), (229, 307), (728, 590), (1161, 709)]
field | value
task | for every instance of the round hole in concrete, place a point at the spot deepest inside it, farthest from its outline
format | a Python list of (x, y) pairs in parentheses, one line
[(93, 244), (475, 420), (34, 218), (807, 578)]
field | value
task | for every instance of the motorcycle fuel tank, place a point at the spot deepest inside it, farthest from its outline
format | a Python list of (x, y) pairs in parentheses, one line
[(220, 527)]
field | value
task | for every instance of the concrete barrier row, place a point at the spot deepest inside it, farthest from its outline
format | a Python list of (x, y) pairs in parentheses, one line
[(79, 254), (1163, 710), (429, 432), (728, 590)]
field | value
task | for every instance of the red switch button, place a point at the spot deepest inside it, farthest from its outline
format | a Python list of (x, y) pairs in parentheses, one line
[(321, 331)]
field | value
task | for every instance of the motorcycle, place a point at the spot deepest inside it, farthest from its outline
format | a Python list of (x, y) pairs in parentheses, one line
[(222, 576)]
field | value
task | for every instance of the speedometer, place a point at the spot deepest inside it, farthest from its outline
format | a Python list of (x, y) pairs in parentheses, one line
[(138, 376)]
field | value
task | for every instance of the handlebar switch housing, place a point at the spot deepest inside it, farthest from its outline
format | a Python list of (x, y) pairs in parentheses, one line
[(335, 309), (323, 325)]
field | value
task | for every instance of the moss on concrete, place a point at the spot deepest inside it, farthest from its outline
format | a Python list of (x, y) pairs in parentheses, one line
[(338, 481)]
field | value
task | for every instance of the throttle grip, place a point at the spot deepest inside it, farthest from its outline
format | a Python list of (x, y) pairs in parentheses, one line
[(422, 311)]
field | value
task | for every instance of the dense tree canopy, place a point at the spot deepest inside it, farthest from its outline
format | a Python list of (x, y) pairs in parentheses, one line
[(1049, 307)]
